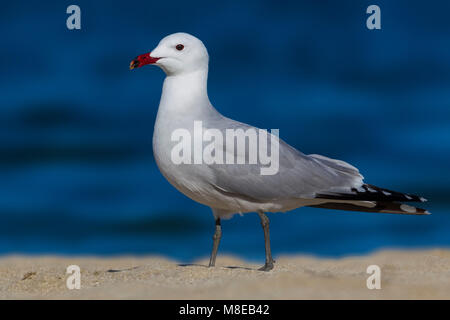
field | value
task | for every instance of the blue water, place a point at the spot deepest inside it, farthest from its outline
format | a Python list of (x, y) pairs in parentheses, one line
[(76, 166)]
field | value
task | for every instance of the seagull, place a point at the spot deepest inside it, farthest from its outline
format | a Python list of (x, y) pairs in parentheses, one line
[(301, 180)]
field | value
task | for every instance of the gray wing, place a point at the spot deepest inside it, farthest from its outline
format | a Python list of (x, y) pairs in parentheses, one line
[(299, 175)]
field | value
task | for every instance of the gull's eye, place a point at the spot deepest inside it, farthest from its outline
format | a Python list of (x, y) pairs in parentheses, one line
[(179, 47)]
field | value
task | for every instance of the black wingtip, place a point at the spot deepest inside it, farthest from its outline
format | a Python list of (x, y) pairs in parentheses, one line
[(368, 192), (378, 206)]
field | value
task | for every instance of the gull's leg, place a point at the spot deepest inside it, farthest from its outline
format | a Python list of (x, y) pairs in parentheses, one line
[(265, 224), (216, 241)]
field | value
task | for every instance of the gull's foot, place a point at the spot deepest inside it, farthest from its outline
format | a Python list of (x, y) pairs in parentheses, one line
[(267, 266)]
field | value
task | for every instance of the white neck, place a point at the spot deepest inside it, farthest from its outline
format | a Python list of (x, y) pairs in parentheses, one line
[(186, 93)]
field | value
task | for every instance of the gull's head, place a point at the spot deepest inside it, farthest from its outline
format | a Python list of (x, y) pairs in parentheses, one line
[(176, 54)]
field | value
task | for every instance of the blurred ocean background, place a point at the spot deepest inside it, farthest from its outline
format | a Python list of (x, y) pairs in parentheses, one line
[(77, 174)]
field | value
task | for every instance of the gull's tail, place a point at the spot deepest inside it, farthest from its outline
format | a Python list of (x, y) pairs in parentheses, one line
[(370, 198)]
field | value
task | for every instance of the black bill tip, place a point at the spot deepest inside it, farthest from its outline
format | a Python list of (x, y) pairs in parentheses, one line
[(134, 64)]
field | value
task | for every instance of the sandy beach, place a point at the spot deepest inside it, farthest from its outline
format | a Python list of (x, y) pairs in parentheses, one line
[(404, 275)]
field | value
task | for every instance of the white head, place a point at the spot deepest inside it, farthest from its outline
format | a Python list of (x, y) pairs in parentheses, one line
[(178, 53)]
